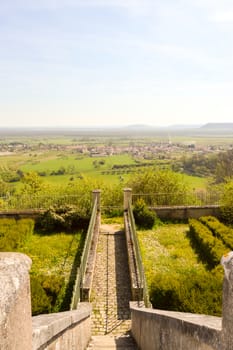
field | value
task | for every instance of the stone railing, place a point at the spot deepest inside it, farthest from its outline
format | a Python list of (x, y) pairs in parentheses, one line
[(137, 276), (81, 291), (63, 330), (168, 330), (186, 212), (15, 302), (20, 331)]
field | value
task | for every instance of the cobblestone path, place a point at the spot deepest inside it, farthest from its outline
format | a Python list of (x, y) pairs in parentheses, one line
[(102, 342), (111, 284)]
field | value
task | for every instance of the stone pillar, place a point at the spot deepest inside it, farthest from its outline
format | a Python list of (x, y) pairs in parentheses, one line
[(96, 194), (127, 197), (15, 302), (227, 307)]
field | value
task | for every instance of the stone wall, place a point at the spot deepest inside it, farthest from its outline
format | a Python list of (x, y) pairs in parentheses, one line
[(167, 330), (15, 302), (63, 330), (186, 212), (19, 331)]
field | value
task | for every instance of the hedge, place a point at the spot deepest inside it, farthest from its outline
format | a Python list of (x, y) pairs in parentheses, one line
[(210, 248)]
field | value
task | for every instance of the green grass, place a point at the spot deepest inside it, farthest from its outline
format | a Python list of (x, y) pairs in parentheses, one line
[(52, 254), (167, 249), (55, 258), (177, 280), (76, 167), (195, 182), (85, 164)]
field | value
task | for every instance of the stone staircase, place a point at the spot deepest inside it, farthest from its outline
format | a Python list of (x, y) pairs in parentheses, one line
[(102, 342), (111, 292)]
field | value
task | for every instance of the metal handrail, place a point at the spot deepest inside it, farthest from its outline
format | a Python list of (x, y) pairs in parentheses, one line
[(82, 268), (142, 284), (37, 201), (195, 197)]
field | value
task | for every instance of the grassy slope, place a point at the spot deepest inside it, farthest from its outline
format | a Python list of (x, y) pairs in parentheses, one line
[(76, 165), (53, 254), (173, 269), (167, 249)]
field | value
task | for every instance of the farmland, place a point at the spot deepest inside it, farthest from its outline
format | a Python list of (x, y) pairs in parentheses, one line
[(55, 164), (62, 156)]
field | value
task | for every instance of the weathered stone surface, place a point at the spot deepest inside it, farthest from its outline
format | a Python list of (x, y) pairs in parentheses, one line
[(15, 302), (185, 212), (67, 330), (135, 282), (167, 330), (124, 342), (227, 310)]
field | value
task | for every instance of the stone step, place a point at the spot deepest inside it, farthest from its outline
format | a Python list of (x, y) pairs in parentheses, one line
[(111, 291), (124, 342)]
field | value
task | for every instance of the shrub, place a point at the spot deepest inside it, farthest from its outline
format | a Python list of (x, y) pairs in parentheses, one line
[(210, 248), (144, 218), (14, 233), (227, 203), (62, 218), (39, 299), (219, 230), (197, 292), (46, 293)]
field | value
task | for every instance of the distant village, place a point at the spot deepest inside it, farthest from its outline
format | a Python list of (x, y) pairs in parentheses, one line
[(146, 150)]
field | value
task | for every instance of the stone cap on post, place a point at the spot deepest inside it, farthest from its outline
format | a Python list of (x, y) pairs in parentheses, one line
[(227, 306), (127, 198), (96, 194), (15, 302)]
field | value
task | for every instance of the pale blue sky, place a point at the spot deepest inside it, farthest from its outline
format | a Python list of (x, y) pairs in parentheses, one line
[(103, 62)]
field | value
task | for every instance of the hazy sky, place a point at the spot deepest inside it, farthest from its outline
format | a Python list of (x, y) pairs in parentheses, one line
[(94, 62)]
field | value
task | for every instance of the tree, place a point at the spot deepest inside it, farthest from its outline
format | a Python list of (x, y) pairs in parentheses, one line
[(226, 203), (162, 187), (32, 184), (224, 167)]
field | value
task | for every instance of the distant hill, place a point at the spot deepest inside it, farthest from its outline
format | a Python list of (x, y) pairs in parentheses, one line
[(225, 126), (215, 129)]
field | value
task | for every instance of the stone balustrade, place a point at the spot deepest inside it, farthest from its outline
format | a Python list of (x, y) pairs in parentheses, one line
[(18, 330), (63, 330), (168, 330)]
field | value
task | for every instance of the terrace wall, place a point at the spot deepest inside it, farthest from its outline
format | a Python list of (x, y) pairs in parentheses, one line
[(186, 212), (20, 331)]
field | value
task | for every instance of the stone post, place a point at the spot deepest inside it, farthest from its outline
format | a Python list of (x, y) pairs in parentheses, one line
[(127, 198), (15, 302), (96, 194), (227, 307)]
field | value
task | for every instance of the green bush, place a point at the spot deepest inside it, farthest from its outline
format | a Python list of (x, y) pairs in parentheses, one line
[(39, 299), (209, 247), (144, 218), (219, 230), (14, 233), (226, 203), (46, 293), (65, 218), (196, 292)]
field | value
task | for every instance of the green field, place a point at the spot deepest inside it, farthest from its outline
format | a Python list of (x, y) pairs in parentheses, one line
[(55, 258), (52, 253), (177, 279), (59, 158)]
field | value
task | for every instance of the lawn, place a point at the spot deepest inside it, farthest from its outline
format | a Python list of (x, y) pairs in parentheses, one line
[(55, 258), (52, 253), (176, 278), (167, 249)]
